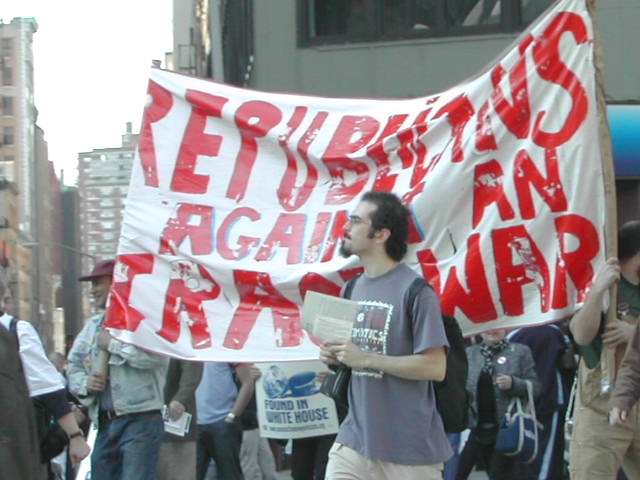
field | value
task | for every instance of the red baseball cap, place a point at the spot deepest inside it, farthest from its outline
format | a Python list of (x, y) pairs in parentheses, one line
[(101, 269)]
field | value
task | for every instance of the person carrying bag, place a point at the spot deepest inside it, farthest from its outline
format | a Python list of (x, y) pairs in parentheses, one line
[(518, 432), (501, 373)]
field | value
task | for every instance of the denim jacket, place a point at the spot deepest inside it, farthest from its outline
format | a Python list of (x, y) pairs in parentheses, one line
[(136, 377)]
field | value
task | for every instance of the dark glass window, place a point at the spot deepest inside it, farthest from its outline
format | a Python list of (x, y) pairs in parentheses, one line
[(343, 21), (7, 106), (401, 16), (7, 137), (7, 76), (6, 46), (339, 17), (468, 13), (531, 9)]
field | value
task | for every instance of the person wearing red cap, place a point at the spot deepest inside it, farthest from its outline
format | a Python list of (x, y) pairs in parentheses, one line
[(125, 402)]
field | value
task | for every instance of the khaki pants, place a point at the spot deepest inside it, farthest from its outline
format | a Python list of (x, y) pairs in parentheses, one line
[(256, 457), (598, 450), (347, 464)]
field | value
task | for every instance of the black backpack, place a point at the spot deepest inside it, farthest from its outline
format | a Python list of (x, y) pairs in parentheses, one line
[(452, 399)]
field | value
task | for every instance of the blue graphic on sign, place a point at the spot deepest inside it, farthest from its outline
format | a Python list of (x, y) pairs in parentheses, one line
[(277, 385)]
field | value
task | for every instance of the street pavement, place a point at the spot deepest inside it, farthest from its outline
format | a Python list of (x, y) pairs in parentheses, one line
[(286, 475)]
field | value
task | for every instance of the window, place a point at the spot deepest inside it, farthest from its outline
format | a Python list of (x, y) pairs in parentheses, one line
[(7, 76), (7, 137), (6, 47), (7, 106), (344, 21)]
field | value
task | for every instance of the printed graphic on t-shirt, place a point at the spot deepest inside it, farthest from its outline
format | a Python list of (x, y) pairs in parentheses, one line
[(370, 331)]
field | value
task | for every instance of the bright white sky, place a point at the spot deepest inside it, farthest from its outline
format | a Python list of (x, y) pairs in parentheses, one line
[(92, 61)]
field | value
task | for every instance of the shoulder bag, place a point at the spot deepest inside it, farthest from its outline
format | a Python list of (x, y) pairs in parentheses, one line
[(518, 432)]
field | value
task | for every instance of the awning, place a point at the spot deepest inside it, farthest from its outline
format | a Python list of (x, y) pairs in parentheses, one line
[(625, 138)]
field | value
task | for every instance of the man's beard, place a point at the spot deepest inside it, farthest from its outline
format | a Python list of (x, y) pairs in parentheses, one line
[(344, 250)]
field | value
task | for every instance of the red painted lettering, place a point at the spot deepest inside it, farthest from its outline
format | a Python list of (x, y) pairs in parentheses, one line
[(515, 242), (487, 190), (485, 140), (183, 226), (412, 150), (550, 188), (312, 253), (546, 52), (190, 286), (476, 302), (352, 134), (257, 293), (429, 266), (161, 102), (337, 231), (577, 262), (459, 111), (516, 116), (195, 142), (291, 194), (383, 181), (288, 232), (254, 120), (245, 244), (121, 314)]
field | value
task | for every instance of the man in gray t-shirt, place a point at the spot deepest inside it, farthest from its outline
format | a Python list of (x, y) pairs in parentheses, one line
[(393, 429)]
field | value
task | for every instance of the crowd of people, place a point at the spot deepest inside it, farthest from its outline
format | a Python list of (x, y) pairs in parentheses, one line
[(392, 428)]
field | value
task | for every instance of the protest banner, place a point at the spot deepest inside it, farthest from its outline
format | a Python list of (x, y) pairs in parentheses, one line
[(239, 198), (289, 401)]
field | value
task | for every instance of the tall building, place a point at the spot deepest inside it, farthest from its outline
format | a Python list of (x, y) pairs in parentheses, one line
[(46, 256), (17, 161), (103, 182)]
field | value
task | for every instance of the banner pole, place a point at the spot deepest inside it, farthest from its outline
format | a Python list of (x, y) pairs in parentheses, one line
[(608, 172)]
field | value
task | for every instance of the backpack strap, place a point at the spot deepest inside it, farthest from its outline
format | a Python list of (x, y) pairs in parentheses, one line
[(415, 289), (348, 288), (13, 328)]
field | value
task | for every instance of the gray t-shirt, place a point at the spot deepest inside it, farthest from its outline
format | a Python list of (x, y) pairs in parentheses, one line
[(390, 418)]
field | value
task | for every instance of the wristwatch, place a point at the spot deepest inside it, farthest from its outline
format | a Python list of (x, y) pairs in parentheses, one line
[(231, 417), (76, 434)]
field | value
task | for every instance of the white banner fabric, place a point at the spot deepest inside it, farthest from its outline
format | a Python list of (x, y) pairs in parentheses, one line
[(238, 199)]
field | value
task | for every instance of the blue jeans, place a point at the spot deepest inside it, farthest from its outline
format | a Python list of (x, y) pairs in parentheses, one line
[(220, 441), (127, 447), (451, 466)]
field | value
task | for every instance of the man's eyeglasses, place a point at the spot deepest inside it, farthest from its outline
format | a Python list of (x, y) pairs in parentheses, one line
[(356, 220)]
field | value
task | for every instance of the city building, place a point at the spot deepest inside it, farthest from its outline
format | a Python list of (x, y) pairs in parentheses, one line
[(382, 48), (17, 163), (72, 298), (103, 182), (46, 256)]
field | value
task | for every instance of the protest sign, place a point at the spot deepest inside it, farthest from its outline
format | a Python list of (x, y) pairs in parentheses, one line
[(239, 198), (289, 401)]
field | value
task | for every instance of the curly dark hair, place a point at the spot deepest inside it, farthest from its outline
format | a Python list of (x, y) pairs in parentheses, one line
[(392, 215), (629, 239)]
